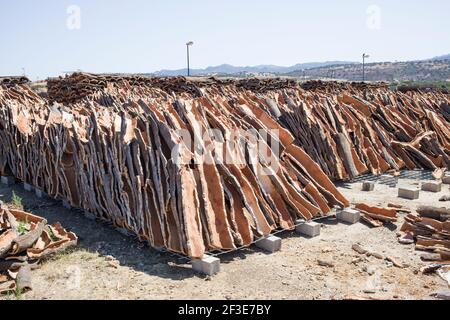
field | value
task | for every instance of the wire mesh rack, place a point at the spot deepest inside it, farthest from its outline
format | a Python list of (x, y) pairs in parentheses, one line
[(416, 174), (219, 253)]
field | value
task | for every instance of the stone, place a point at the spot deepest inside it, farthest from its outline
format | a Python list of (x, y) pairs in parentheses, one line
[(410, 193), (368, 186), (432, 186), (28, 187), (325, 263), (66, 204), (446, 180), (207, 265), (309, 229), (39, 193), (348, 215), (270, 244), (8, 180)]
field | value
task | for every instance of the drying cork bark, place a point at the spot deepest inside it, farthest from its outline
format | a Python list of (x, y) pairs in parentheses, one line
[(25, 240), (199, 165)]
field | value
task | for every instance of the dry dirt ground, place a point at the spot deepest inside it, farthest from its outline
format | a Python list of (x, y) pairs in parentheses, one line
[(109, 265)]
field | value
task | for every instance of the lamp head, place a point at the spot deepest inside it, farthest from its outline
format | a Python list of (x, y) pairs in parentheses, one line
[(190, 43)]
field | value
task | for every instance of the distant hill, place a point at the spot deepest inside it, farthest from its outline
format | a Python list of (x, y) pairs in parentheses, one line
[(226, 69), (434, 70), (441, 58)]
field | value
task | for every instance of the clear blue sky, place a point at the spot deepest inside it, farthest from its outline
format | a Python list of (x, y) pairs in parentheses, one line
[(149, 35)]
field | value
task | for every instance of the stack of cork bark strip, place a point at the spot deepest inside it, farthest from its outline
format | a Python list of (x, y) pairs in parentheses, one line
[(12, 81), (116, 146), (126, 161), (354, 131)]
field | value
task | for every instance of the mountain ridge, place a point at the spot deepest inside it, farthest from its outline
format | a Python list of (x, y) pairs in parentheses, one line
[(265, 68), (440, 58), (433, 69), (228, 69)]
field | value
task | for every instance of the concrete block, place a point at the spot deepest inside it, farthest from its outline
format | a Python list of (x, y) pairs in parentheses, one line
[(309, 229), (89, 215), (66, 204), (446, 180), (40, 194), (207, 265), (410, 193), (8, 180), (349, 216), (432, 186), (270, 244), (28, 187), (368, 186)]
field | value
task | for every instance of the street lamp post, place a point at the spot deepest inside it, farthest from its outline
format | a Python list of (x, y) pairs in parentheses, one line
[(189, 44), (365, 56)]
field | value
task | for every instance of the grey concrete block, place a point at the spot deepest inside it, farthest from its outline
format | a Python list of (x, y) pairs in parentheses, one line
[(66, 204), (28, 187), (40, 194), (432, 186), (8, 180), (446, 180), (349, 216), (309, 229), (410, 193), (368, 186), (270, 244), (207, 265)]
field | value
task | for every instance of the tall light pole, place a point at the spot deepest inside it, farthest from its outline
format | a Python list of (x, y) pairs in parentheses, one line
[(365, 56), (189, 44)]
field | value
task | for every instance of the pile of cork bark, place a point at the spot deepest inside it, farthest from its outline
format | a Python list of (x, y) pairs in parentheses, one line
[(73, 88), (25, 240), (176, 160), (374, 130), (429, 229), (130, 163), (12, 81)]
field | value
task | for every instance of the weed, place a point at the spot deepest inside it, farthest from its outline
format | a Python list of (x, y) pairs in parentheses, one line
[(18, 293), (52, 234), (22, 227), (16, 200)]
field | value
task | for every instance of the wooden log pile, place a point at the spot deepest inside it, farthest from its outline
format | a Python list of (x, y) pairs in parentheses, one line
[(122, 154)]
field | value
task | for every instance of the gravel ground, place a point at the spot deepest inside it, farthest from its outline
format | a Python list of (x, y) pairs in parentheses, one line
[(109, 265)]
